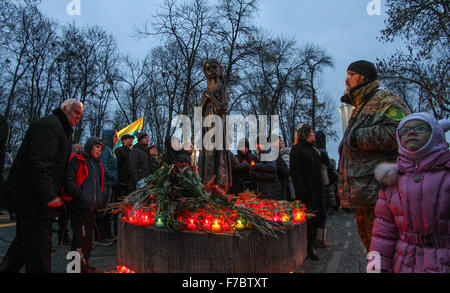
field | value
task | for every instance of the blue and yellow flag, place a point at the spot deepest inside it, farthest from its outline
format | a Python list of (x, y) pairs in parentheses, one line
[(131, 130)]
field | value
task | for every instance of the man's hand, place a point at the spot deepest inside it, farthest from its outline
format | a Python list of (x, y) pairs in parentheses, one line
[(57, 202)]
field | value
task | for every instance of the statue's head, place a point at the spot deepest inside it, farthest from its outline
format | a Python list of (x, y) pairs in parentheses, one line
[(212, 69)]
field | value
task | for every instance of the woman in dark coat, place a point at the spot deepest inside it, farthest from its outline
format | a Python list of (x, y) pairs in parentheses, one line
[(329, 190), (306, 174)]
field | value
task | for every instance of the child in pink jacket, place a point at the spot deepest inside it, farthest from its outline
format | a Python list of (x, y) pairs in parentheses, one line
[(412, 227)]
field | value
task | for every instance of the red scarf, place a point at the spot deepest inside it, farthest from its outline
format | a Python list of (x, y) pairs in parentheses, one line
[(82, 174)]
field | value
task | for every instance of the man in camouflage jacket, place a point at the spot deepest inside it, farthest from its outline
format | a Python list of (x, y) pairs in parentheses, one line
[(368, 141)]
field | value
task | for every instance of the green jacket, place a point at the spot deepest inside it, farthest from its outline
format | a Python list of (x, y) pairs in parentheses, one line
[(369, 140)]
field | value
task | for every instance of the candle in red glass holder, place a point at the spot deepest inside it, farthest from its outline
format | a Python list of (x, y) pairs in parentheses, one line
[(299, 216), (207, 223), (276, 218), (145, 219), (191, 224)]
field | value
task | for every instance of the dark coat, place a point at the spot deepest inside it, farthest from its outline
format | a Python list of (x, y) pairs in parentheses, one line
[(240, 173), (306, 175), (88, 196), (109, 160), (155, 164), (283, 176), (185, 157), (3, 137), (172, 156), (37, 174), (266, 177), (139, 165), (122, 155)]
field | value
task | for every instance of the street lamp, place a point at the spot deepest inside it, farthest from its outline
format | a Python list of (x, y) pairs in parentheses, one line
[(346, 113)]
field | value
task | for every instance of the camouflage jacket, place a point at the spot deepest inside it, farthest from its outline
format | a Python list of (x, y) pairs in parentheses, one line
[(369, 139)]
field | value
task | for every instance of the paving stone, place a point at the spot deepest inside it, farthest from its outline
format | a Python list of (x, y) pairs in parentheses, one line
[(347, 255)]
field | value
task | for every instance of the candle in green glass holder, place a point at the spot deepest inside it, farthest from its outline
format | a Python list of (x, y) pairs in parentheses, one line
[(159, 222)]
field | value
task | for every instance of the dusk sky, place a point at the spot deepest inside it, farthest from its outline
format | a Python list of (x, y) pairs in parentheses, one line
[(342, 27)]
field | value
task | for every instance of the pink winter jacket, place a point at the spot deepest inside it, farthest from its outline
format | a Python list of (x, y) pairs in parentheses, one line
[(412, 227)]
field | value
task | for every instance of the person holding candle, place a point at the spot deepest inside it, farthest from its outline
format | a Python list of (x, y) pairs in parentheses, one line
[(411, 229), (240, 169), (265, 173)]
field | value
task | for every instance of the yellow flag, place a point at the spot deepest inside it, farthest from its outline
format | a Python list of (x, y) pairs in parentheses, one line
[(132, 128)]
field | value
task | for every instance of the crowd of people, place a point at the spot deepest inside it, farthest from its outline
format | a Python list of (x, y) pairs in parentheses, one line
[(402, 209)]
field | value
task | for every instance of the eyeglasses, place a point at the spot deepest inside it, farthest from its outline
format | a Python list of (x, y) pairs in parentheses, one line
[(421, 129), (350, 74)]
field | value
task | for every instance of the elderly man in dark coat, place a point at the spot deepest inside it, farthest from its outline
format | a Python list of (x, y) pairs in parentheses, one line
[(34, 186)]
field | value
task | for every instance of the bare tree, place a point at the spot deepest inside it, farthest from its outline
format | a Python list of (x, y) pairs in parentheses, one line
[(233, 31), (423, 70), (16, 41), (314, 61), (135, 85), (81, 69), (167, 61), (271, 70), (186, 26), (425, 82), (423, 23)]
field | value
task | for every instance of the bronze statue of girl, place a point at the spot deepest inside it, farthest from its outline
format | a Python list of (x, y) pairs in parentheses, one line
[(213, 161)]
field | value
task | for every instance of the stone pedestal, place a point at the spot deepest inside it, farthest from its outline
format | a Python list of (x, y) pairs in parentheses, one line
[(151, 250)]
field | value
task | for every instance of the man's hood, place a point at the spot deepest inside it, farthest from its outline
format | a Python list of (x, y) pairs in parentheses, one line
[(107, 137), (90, 144)]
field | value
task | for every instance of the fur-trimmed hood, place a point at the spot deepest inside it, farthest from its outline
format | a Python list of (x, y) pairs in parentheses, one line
[(387, 173)]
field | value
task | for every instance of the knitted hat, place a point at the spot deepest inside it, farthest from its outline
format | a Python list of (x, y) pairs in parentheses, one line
[(437, 140), (141, 135), (126, 136), (365, 68)]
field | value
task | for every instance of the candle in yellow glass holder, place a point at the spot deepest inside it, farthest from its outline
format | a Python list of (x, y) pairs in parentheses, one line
[(216, 226), (240, 223)]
